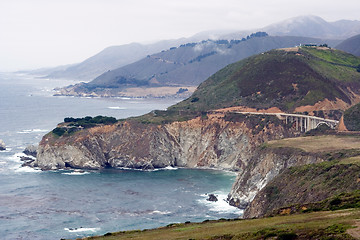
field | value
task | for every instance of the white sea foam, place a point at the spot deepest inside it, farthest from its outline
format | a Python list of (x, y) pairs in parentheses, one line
[(221, 206), (171, 168), (18, 168), (26, 169), (118, 108), (81, 229), (76, 173), (16, 157), (36, 130), (160, 212)]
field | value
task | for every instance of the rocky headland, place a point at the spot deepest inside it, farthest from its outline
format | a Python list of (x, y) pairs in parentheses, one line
[(220, 141)]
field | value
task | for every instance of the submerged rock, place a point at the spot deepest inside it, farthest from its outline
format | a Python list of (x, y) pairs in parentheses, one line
[(2, 145), (212, 198)]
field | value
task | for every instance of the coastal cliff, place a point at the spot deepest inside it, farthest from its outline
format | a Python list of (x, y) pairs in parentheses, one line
[(220, 141), (265, 165)]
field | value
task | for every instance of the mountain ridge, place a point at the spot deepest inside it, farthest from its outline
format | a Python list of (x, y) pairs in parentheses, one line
[(87, 71), (183, 66), (351, 45)]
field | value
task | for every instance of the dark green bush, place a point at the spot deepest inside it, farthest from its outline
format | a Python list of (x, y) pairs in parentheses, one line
[(88, 122), (59, 131)]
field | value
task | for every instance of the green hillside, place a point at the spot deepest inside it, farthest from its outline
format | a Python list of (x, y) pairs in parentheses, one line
[(279, 78), (352, 118)]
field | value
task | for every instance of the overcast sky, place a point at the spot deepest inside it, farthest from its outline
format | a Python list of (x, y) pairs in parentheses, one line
[(41, 33)]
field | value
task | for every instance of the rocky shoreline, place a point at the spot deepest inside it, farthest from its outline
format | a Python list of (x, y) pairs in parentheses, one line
[(214, 141)]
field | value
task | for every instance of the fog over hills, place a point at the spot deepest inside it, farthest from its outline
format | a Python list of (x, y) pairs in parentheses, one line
[(118, 56), (111, 58), (187, 65), (308, 26)]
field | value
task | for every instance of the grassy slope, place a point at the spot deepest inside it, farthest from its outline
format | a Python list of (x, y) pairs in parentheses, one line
[(315, 225), (318, 144), (352, 118), (278, 78)]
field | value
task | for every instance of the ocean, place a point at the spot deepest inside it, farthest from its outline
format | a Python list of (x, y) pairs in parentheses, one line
[(38, 204)]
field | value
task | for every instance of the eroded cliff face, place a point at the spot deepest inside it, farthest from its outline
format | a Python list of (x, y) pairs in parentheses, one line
[(264, 165), (302, 185), (214, 141)]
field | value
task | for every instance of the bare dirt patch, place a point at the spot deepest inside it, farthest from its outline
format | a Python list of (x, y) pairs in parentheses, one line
[(291, 49), (247, 109), (355, 232), (326, 104)]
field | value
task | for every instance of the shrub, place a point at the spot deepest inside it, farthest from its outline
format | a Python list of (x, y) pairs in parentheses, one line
[(88, 122), (195, 99), (58, 131)]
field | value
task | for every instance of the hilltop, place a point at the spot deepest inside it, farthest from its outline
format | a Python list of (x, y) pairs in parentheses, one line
[(300, 79)]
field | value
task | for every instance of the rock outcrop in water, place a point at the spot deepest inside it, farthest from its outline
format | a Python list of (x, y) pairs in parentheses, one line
[(2, 145), (31, 150), (215, 141)]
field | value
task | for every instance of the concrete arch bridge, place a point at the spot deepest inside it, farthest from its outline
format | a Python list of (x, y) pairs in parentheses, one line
[(303, 123)]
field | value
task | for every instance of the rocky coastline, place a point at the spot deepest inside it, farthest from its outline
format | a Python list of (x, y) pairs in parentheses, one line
[(210, 142), (214, 141)]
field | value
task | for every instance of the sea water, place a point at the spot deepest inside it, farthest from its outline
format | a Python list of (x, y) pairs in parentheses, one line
[(38, 204)]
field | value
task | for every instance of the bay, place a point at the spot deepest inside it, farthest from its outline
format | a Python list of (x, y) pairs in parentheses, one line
[(71, 204)]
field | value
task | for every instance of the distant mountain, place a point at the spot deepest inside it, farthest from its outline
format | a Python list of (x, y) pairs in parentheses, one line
[(309, 26), (286, 78), (111, 58), (350, 45), (118, 56), (313, 26), (187, 65)]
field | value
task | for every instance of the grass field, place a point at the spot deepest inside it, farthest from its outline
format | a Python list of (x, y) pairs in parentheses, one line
[(325, 143), (315, 225)]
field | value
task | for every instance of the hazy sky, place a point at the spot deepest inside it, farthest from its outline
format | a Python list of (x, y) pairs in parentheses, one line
[(40, 33)]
